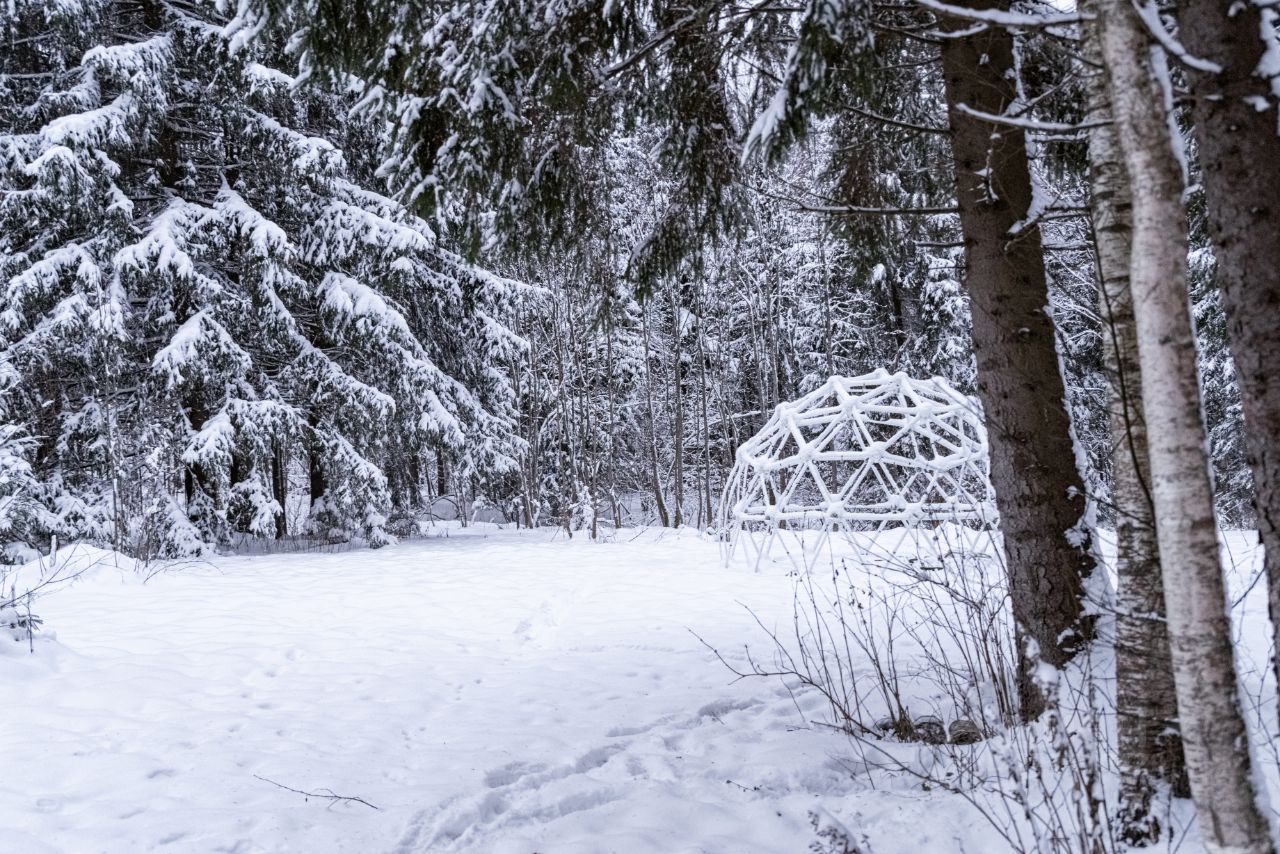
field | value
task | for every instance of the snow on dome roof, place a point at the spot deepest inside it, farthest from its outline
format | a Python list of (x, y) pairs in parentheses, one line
[(863, 453)]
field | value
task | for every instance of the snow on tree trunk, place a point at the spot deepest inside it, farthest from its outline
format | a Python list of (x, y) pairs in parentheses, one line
[(1236, 112), (1038, 489), (1213, 728), (1148, 742)]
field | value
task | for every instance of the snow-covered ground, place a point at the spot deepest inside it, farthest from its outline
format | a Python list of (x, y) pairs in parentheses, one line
[(489, 691)]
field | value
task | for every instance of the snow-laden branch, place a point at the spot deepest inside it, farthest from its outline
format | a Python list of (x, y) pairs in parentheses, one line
[(1003, 18), (1150, 17), (1030, 124), (855, 210)]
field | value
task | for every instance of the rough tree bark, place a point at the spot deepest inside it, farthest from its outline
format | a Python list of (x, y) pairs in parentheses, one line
[(1236, 121), (1148, 739), (317, 481), (280, 489), (1213, 728), (677, 419), (654, 483), (1038, 489)]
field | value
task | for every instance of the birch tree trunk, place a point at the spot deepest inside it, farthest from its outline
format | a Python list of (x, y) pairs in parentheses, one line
[(1236, 122), (1038, 490), (1148, 739), (1213, 728)]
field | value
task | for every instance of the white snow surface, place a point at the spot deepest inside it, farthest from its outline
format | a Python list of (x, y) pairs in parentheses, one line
[(491, 691)]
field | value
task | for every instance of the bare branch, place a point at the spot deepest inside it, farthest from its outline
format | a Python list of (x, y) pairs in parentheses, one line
[(854, 210), (323, 794)]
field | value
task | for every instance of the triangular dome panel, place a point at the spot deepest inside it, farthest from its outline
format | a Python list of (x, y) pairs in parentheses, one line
[(864, 453)]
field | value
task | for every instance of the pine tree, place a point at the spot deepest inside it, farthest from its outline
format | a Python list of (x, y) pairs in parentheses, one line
[(19, 510), (205, 294)]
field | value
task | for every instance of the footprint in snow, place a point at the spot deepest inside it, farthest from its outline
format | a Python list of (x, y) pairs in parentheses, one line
[(519, 793), (511, 772), (719, 708)]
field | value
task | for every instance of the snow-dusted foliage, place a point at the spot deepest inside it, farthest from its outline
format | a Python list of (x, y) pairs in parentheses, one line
[(205, 291), (19, 510)]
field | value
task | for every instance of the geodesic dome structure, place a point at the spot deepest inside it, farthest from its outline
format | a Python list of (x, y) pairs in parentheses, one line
[(861, 454)]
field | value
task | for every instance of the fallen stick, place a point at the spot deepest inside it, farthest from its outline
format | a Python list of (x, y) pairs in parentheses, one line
[(326, 794)]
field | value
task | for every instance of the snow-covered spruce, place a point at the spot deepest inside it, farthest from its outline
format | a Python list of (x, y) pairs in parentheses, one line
[(203, 291)]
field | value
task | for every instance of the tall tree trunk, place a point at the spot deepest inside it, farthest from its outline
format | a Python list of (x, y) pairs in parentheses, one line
[(442, 477), (706, 511), (656, 484), (280, 489), (317, 482), (677, 389), (1236, 121), (415, 479), (1038, 490), (1213, 729), (1148, 739), (610, 372), (195, 476)]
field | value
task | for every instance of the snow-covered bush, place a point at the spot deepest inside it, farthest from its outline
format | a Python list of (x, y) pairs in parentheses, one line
[(19, 509), (18, 622)]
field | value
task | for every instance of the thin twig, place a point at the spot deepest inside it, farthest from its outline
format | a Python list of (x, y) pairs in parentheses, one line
[(326, 794)]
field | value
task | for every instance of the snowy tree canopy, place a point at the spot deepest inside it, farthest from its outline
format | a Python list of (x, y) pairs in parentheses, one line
[(203, 291)]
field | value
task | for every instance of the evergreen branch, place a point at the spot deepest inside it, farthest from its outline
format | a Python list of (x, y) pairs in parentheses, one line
[(663, 36), (876, 117)]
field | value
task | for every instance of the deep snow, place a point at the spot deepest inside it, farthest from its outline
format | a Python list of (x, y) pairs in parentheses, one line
[(491, 691)]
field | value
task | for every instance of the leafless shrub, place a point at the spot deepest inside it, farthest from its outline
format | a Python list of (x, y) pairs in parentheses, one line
[(899, 642)]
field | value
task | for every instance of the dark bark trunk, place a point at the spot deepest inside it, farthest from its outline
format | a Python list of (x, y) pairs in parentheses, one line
[(655, 483), (677, 427), (237, 515), (1240, 170), (195, 478), (317, 483), (415, 480), (280, 489), (1038, 489)]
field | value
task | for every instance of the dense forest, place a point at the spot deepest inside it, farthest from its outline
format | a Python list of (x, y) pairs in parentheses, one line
[(232, 308), (289, 274)]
